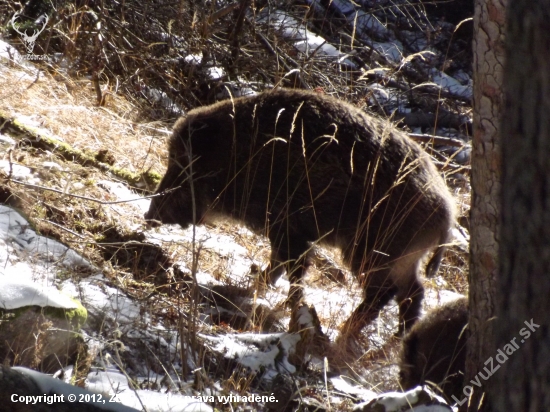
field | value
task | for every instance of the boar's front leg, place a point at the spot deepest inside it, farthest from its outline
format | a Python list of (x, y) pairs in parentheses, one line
[(289, 252)]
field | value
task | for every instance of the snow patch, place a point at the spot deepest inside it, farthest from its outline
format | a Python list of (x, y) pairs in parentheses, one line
[(399, 402), (257, 351), (20, 293), (17, 172), (15, 231)]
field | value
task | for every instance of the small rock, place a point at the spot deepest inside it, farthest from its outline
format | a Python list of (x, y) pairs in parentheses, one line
[(52, 166), (6, 142)]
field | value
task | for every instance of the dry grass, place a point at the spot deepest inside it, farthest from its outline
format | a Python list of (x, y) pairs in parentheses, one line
[(66, 108)]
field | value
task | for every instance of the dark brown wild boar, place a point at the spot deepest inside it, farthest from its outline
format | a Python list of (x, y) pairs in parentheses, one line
[(302, 168), (435, 350)]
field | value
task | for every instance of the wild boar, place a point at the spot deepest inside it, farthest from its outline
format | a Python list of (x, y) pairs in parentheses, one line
[(305, 168), (435, 350)]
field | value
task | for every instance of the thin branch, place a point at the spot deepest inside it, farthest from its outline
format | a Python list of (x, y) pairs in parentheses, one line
[(91, 199)]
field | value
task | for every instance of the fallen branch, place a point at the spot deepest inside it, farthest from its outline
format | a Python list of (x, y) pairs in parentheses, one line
[(28, 136)]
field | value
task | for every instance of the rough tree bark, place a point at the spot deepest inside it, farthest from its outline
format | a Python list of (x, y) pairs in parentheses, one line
[(523, 290), (488, 47)]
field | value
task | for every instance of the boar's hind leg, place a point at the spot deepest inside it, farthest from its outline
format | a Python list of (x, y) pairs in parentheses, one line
[(409, 299)]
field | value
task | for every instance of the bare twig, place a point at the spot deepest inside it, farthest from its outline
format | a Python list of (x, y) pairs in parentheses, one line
[(235, 34), (91, 199), (63, 228)]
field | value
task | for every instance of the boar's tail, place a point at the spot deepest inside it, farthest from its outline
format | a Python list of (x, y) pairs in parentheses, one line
[(433, 265)]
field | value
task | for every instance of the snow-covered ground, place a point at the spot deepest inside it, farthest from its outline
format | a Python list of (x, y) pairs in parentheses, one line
[(29, 267)]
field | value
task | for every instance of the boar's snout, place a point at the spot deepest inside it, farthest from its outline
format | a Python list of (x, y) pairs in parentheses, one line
[(168, 209), (154, 216)]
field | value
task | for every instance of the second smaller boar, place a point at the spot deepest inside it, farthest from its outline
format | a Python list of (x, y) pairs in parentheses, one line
[(435, 350)]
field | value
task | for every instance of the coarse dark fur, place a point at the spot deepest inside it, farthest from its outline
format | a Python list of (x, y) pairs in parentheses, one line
[(303, 167), (435, 350)]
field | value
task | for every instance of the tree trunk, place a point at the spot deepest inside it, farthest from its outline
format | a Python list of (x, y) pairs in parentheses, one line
[(523, 291), (488, 46)]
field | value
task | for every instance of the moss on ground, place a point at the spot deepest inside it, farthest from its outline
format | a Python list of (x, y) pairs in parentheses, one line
[(30, 136)]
